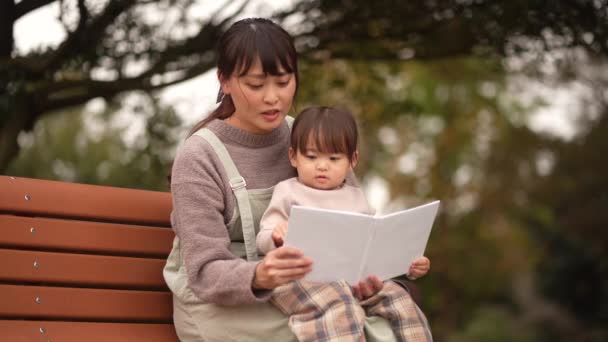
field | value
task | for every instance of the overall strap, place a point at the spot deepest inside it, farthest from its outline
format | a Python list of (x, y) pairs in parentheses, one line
[(239, 187)]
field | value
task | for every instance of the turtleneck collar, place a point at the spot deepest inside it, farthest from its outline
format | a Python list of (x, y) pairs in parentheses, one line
[(225, 131)]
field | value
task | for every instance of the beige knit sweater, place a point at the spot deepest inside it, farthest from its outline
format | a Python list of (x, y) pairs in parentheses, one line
[(203, 204)]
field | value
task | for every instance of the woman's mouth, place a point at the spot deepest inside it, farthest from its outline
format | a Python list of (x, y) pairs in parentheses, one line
[(271, 115)]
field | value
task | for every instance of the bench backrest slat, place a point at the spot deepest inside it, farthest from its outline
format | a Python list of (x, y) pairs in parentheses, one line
[(26, 331), (81, 270), (84, 304), (36, 197), (84, 236)]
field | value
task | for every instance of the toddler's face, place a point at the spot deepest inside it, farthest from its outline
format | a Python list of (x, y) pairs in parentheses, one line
[(320, 170)]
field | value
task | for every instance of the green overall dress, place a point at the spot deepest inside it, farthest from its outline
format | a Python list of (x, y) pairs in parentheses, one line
[(196, 321)]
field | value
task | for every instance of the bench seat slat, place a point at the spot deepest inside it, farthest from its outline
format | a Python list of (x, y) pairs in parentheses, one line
[(81, 270), (84, 236), (18, 301), (27, 331), (102, 203)]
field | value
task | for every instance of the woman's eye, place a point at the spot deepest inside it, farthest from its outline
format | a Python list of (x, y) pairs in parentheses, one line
[(283, 83), (255, 86)]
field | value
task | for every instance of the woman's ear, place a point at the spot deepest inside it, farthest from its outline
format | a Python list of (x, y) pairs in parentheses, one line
[(354, 160), (292, 158), (224, 86)]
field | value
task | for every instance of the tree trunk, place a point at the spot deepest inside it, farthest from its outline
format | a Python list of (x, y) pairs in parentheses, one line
[(14, 124), (7, 13), (8, 123)]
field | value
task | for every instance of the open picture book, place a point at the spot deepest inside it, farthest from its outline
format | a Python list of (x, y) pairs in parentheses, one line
[(351, 246)]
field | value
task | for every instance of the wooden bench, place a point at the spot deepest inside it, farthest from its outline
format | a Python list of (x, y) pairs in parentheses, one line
[(83, 262)]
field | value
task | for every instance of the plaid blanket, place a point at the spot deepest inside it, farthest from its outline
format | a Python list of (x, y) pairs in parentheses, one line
[(330, 312)]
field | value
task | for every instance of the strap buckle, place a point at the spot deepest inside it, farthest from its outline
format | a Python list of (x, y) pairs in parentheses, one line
[(237, 183)]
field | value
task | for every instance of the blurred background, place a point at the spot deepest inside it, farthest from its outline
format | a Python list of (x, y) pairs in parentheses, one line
[(497, 108)]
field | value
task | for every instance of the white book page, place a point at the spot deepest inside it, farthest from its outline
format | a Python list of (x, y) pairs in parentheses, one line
[(334, 240), (399, 239)]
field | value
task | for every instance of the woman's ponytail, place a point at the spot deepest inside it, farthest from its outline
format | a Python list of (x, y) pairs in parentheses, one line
[(223, 111)]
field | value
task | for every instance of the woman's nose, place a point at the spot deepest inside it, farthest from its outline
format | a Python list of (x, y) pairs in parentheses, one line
[(271, 96)]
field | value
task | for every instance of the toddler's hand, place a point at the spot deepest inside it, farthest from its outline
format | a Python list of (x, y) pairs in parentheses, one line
[(419, 268), (367, 287), (278, 234)]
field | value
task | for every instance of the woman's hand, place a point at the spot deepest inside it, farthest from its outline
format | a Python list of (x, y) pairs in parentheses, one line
[(367, 287), (419, 268), (281, 266), (278, 234)]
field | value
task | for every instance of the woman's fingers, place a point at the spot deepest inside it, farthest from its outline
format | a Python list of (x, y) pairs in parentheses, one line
[(291, 274), (287, 269), (280, 266), (287, 257), (286, 252)]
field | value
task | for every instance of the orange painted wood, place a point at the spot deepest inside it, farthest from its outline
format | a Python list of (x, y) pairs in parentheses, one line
[(81, 269), (101, 203), (18, 301), (84, 236), (29, 331)]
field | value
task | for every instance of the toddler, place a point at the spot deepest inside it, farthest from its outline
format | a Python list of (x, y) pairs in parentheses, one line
[(323, 149)]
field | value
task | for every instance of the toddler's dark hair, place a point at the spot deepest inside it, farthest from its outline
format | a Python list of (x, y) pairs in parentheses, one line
[(331, 129)]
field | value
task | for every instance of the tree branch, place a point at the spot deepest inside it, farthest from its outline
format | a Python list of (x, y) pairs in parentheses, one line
[(71, 93), (300, 7), (205, 38), (234, 14), (84, 15), (27, 6), (7, 8), (86, 38)]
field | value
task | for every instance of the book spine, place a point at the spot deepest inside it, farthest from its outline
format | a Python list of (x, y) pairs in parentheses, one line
[(371, 234)]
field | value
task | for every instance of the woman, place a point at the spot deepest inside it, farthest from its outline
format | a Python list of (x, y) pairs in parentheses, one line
[(222, 181)]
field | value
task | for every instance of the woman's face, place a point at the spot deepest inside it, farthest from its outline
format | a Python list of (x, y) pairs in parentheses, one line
[(261, 101)]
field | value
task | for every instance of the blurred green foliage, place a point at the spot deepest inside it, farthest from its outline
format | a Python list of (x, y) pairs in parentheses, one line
[(132, 150), (519, 249)]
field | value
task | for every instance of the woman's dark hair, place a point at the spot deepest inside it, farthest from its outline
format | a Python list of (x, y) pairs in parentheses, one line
[(238, 49), (331, 129)]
